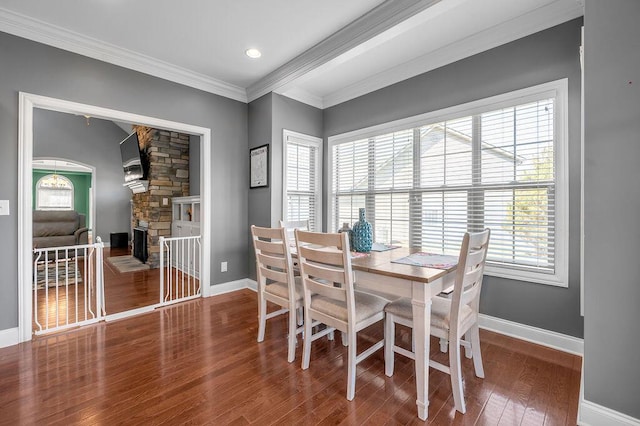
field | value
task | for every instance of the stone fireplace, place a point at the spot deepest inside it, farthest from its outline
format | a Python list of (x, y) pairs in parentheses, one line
[(168, 175)]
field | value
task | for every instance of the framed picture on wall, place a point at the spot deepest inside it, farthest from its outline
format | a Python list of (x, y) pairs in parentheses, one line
[(259, 167)]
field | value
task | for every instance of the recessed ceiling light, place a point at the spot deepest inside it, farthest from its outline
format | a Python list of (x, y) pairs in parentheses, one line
[(253, 53)]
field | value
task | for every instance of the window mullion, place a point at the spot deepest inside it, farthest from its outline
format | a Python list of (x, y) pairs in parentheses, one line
[(415, 199), (475, 204), (370, 199)]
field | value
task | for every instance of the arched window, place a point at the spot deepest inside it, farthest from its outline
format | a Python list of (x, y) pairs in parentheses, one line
[(54, 192)]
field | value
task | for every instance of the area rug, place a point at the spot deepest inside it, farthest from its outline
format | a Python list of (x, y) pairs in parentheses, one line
[(65, 269), (127, 264)]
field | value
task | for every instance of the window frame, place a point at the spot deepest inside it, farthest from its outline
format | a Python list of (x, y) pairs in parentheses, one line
[(39, 188), (303, 139), (558, 90)]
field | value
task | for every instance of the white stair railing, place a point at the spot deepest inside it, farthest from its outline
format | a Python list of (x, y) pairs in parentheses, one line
[(68, 286), (179, 269)]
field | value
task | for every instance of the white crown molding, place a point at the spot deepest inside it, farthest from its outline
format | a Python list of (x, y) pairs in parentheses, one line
[(540, 19), (376, 21), (592, 414), (303, 96), (52, 35)]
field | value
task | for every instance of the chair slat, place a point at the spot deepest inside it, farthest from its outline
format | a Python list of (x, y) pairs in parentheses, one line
[(320, 239), (478, 239), (475, 258), (469, 295), (325, 273), (472, 276), (325, 289), (270, 233), (270, 246), (322, 255), (274, 275), (273, 261)]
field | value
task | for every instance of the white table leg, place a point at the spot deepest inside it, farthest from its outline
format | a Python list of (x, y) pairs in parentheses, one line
[(421, 301)]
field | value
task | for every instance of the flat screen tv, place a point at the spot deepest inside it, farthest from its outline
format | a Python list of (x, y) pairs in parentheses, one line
[(131, 158)]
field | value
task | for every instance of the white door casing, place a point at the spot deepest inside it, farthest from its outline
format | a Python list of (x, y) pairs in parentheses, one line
[(27, 103)]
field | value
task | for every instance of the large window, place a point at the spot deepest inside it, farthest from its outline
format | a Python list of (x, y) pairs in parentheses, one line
[(302, 179), (497, 163), (54, 192)]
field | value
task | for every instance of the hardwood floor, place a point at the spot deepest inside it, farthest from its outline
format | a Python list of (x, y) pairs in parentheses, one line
[(199, 363), (129, 290)]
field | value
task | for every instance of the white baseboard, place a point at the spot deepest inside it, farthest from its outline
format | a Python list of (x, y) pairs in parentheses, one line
[(252, 284), (9, 337), (228, 287), (592, 414), (551, 339)]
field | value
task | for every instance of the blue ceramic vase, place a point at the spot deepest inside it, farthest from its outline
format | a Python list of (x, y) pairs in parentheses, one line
[(362, 234)]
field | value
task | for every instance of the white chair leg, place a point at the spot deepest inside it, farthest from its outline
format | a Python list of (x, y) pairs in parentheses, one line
[(389, 342), (351, 369), (262, 318), (291, 355), (345, 338), (300, 315), (443, 345), (306, 346), (468, 353), (456, 376), (331, 336), (475, 348)]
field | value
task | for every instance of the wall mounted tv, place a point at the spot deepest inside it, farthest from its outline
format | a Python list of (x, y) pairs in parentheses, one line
[(132, 161)]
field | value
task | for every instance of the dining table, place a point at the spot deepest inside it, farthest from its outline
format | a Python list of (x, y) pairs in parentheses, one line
[(377, 272)]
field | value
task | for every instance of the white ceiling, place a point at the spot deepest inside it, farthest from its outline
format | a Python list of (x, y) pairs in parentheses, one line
[(319, 52)]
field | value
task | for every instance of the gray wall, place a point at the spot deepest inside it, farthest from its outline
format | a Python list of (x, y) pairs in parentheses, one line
[(611, 205), (268, 117), (67, 136), (35, 68), (539, 58), (260, 114), (297, 117)]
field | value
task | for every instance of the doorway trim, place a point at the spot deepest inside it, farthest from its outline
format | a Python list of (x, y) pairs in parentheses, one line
[(92, 190), (26, 105)]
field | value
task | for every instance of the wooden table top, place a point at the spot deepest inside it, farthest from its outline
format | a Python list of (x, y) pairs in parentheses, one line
[(381, 263)]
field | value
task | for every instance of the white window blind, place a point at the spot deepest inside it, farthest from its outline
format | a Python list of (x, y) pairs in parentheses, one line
[(302, 179), (425, 186), (54, 192)]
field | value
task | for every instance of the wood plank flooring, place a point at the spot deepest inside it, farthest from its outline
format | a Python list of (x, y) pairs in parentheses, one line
[(199, 363)]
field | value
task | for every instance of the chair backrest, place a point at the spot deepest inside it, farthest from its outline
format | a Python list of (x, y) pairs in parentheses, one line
[(273, 257), (325, 267), (292, 225), (469, 273)]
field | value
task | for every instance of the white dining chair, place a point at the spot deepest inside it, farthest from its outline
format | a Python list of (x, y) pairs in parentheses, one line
[(276, 282), (451, 319), (292, 225), (330, 298)]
